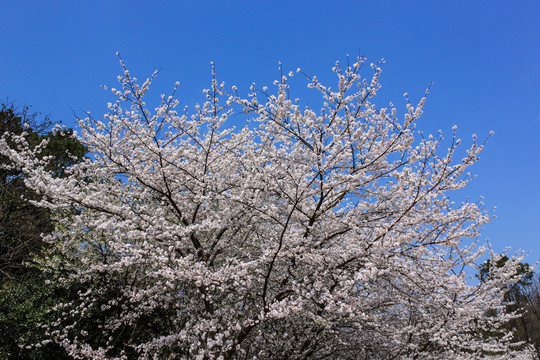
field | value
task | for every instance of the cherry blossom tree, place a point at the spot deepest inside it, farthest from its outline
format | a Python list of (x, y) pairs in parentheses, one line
[(301, 234)]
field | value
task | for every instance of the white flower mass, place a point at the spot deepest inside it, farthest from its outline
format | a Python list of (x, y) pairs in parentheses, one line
[(305, 234)]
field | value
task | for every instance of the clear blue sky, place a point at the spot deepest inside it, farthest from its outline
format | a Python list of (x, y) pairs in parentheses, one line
[(482, 56)]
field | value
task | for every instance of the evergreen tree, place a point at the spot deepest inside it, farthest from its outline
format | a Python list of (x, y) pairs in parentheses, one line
[(25, 298)]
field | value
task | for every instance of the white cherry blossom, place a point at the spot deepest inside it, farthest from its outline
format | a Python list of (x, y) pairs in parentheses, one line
[(302, 234)]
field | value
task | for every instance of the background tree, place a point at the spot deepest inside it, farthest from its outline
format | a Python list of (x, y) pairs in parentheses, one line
[(531, 317), (523, 297), (21, 223), (24, 297), (303, 234)]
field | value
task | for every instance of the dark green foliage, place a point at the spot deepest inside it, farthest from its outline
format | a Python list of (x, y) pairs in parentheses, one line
[(24, 307), (101, 312), (25, 300), (523, 271), (523, 297), (21, 223)]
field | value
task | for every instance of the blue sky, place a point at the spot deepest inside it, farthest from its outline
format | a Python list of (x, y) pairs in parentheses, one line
[(482, 57)]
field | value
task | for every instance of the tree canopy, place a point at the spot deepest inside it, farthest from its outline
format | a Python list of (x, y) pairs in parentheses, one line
[(24, 299), (302, 234), (522, 297), (21, 222)]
